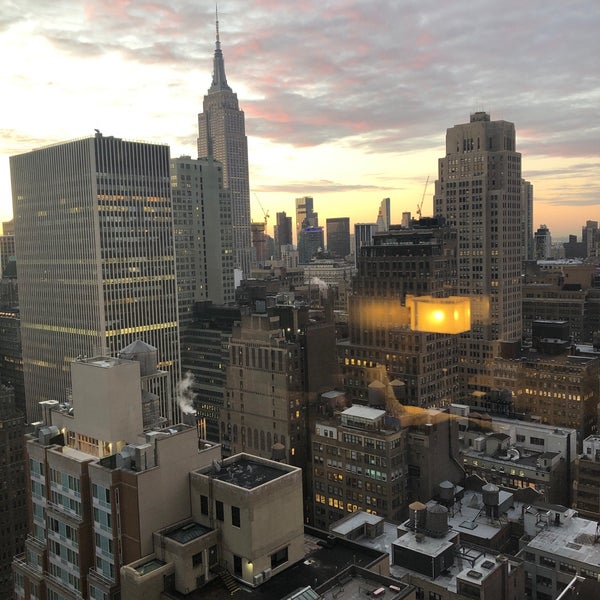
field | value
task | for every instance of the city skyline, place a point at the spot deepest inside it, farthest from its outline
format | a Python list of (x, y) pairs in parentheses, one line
[(339, 105)]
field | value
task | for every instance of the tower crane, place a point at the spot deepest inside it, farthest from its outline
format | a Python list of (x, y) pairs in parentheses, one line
[(266, 214), (420, 205)]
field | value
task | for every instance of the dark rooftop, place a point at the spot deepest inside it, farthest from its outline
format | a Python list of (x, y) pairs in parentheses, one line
[(188, 532), (248, 474), (319, 565), (149, 566)]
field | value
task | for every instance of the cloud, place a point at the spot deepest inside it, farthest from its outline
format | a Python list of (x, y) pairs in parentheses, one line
[(385, 78), (319, 187)]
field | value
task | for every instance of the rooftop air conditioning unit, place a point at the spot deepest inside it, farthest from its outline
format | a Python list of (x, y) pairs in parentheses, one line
[(258, 579)]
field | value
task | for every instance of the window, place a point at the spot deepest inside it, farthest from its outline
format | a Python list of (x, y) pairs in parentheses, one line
[(220, 511), (204, 504), (235, 516), (279, 557), (197, 560)]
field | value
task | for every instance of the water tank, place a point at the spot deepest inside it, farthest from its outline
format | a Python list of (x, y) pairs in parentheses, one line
[(437, 519), (491, 494), (416, 515), (143, 353), (446, 492), (278, 452), (491, 499)]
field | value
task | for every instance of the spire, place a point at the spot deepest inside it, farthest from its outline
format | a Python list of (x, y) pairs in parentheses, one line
[(219, 80)]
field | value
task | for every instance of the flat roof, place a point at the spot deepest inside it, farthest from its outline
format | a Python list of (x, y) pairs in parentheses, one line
[(188, 532), (149, 566), (364, 412), (319, 565), (248, 474), (354, 520), (573, 539)]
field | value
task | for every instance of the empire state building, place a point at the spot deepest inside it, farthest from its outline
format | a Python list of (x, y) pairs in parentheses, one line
[(222, 136)]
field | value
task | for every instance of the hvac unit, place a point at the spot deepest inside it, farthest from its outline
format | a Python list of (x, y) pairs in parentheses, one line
[(266, 574), (258, 579)]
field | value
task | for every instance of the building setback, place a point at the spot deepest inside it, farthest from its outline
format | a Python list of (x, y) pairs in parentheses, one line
[(222, 136), (94, 241)]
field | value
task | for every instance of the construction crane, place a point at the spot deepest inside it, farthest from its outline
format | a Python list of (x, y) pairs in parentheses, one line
[(266, 214), (420, 205)]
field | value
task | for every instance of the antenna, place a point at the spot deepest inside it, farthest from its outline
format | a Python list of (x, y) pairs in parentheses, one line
[(217, 21)]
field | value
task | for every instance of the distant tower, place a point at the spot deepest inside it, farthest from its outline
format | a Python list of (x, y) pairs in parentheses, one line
[(222, 135), (363, 236), (305, 214), (283, 232), (94, 241), (478, 192), (527, 220), (338, 236), (542, 243), (384, 215)]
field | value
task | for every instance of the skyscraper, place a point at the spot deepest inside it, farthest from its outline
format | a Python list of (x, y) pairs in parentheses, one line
[(203, 237), (384, 215), (94, 242), (527, 220), (478, 191), (305, 214), (338, 236), (222, 135), (283, 232), (542, 244)]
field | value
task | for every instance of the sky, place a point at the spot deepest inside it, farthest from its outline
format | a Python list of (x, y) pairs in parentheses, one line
[(347, 101)]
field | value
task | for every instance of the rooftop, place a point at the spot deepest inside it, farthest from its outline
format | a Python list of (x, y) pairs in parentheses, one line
[(321, 569), (247, 473), (575, 539), (187, 532)]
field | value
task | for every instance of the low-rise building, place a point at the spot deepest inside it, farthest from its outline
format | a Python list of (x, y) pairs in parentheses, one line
[(515, 455), (358, 464), (586, 480), (557, 546)]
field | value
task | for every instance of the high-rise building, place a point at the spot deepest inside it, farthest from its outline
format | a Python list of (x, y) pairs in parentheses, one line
[(338, 236), (527, 220), (542, 243), (283, 232), (222, 135), (99, 487), (305, 214), (259, 242), (94, 241), (7, 245), (382, 349), (311, 241), (590, 236), (384, 215), (13, 506), (203, 235), (478, 191), (363, 236)]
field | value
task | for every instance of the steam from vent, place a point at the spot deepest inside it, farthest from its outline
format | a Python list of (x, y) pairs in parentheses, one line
[(185, 394), (318, 281)]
